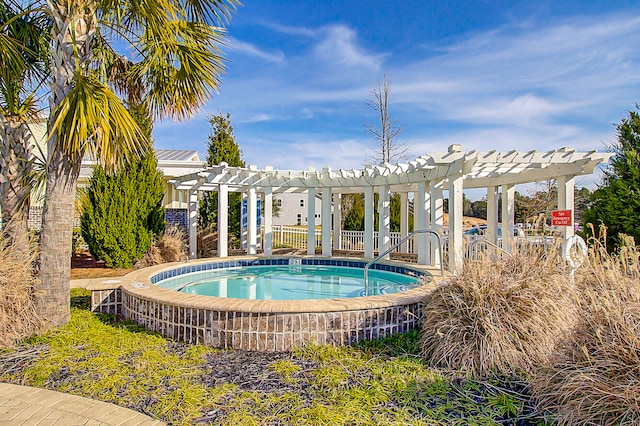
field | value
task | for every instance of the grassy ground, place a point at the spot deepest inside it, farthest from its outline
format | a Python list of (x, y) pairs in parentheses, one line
[(381, 382)]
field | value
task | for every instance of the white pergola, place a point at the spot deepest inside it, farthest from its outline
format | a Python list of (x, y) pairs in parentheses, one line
[(426, 178)]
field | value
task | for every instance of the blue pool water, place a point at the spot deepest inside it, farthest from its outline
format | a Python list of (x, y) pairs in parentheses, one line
[(288, 282)]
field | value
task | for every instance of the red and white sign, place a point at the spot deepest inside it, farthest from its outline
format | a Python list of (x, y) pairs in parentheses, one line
[(561, 218)]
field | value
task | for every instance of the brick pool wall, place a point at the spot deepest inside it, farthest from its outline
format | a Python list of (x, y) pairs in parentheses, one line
[(259, 325)]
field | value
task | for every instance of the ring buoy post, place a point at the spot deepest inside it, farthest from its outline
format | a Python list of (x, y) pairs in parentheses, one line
[(574, 251)]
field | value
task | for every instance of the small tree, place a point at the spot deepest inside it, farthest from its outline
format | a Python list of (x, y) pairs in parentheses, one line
[(123, 211), (222, 147), (387, 129), (616, 203)]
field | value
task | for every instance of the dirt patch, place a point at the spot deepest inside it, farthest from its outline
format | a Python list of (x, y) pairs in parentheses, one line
[(85, 266)]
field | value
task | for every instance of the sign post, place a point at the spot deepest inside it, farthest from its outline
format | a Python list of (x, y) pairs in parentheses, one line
[(561, 218)]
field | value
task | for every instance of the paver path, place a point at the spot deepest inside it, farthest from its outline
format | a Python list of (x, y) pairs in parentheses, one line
[(21, 405)]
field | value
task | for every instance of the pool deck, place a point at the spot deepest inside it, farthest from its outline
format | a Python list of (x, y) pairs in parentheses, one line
[(22, 405)]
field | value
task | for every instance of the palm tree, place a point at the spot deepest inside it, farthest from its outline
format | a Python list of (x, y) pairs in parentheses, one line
[(174, 50), (26, 34)]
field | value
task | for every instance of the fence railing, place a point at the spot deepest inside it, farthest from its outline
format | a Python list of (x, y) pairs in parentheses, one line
[(295, 237)]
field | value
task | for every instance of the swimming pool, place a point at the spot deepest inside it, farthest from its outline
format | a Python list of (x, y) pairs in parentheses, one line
[(289, 282)]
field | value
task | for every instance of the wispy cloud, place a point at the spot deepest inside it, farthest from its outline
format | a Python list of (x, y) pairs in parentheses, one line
[(339, 44), (251, 50)]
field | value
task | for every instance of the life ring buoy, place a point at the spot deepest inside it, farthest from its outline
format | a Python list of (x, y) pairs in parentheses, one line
[(577, 257)]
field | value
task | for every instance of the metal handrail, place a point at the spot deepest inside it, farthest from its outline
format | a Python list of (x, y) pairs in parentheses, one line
[(474, 242), (389, 250)]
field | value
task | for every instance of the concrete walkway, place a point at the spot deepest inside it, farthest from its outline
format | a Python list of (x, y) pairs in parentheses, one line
[(21, 405)]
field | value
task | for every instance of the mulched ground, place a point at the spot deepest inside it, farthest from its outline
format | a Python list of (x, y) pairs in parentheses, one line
[(85, 266)]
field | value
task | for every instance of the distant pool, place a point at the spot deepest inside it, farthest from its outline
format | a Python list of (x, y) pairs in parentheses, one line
[(290, 282)]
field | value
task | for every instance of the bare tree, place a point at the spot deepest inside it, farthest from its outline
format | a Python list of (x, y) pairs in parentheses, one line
[(387, 129)]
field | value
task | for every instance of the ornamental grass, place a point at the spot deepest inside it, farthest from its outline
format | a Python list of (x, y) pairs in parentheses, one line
[(595, 378), (168, 248), (18, 314), (499, 316)]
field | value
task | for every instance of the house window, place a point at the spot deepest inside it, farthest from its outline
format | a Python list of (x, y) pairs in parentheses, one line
[(317, 215), (279, 202), (299, 221), (302, 202)]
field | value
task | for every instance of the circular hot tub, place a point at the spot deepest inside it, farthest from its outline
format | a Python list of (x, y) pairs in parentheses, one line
[(152, 297)]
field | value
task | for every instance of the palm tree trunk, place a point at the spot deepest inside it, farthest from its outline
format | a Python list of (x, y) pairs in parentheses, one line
[(73, 29), (56, 238), (15, 175)]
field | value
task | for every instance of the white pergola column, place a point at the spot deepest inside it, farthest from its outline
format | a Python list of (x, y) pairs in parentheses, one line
[(311, 221), (404, 220), (337, 221), (420, 210), (456, 246), (326, 221), (437, 220), (252, 221), (491, 233), (384, 219), (193, 224), (566, 187), (267, 243), (223, 221), (368, 222), (508, 216)]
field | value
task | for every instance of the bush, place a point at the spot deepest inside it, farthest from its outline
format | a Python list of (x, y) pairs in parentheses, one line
[(19, 317), (595, 379), (122, 212), (500, 316)]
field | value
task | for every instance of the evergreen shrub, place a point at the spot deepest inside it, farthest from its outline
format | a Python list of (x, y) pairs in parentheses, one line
[(123, 211)]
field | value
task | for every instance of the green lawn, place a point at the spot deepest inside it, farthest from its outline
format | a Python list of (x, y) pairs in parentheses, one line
[(383, 382)]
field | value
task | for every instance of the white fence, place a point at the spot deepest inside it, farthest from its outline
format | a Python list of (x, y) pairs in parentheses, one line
[(295, 237)]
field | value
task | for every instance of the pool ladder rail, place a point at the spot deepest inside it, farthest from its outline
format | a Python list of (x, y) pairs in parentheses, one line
[(396, 245)]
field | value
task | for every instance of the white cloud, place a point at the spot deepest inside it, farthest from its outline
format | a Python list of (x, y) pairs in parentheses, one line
[(251, 50), (339, 45)]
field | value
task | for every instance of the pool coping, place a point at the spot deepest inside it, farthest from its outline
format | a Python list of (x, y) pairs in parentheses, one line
[(138, 283)]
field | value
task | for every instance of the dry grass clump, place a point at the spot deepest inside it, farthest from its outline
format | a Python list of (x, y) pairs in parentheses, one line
[(18, 314), (595, 379), (499, 316), (168, 248)]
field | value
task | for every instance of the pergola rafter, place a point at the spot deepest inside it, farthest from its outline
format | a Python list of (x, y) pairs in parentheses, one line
[(426, 177)]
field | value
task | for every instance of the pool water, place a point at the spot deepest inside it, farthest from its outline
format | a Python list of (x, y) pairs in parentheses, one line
[(289, 282)]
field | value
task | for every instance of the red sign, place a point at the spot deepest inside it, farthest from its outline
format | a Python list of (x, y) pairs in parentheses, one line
[(561, 218)]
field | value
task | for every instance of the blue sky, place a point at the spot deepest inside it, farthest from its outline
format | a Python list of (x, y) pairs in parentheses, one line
[(485, 74)]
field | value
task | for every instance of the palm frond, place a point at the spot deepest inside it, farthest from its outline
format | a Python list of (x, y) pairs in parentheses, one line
[(182, 68), (92, 120)]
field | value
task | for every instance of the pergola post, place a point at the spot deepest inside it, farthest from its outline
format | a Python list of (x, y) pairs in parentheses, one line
[(311, 221), (368, 222), (326, 221), (223, 221), (437, 220), (420, 210), (566, 186), (193, 224), (404, 220), (252, 221), (267, 241), (456, 246), (337, 221), (384, 219), (508, 216), (491, 233)]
